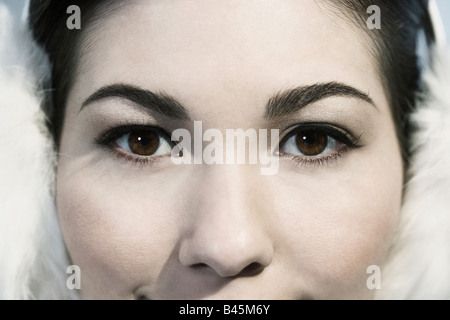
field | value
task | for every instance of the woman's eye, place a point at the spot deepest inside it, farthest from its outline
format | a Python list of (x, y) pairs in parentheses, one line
[(144, 143), (309, 143)]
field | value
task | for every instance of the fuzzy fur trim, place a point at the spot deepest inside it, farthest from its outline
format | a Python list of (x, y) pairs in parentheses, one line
[(419, 264), (32, 255)]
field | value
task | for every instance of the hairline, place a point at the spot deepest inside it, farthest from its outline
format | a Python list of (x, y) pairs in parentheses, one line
[(81, 42)]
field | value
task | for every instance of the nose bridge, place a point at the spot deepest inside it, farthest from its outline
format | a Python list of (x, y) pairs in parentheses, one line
[(225, 232), (225, 190)]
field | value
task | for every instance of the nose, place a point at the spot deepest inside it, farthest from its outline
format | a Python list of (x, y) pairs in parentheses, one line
[(227, 229)]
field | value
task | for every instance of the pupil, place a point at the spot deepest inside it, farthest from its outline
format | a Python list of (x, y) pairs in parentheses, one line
[(311, 143), (309, 139), (143, 143)]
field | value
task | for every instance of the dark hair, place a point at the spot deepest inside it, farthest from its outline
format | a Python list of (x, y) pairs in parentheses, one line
[(394, 46), (47, 21)]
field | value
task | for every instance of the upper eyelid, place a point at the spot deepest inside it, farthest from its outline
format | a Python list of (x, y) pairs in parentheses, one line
[(314, 125), (114, 133), (337, 133)]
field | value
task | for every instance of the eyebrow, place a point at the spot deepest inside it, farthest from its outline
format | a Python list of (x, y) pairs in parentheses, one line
[(157, 102), (290, 101), (279, 105)]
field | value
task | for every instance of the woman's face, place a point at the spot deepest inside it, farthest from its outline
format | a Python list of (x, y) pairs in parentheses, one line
[(140, 226)]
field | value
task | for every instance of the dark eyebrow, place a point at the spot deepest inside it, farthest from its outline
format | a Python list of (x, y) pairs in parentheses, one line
[(292, 100), (160, 102)]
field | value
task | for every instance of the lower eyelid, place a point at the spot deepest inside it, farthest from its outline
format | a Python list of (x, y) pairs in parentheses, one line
[(126, 157), (136, 160), (316, 160)]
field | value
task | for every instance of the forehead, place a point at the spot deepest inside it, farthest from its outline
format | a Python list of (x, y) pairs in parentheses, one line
[(207, 52)]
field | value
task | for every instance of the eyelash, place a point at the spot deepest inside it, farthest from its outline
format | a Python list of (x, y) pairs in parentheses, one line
[(107, 139), (348, 142)]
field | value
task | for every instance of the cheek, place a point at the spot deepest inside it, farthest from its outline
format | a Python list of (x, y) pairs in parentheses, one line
[(117, 233), (334, 225)]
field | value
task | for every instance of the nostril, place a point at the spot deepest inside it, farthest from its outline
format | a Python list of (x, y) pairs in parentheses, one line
[(199, 266), (251, 270), (141, 297)]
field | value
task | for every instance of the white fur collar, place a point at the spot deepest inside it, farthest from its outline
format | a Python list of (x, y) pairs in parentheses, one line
[(419, 266), (32, 257)]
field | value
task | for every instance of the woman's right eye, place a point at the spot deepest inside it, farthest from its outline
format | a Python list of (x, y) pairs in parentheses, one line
[(144, 142)]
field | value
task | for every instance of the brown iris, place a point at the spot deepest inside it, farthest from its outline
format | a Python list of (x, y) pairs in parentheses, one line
[(144, 143), (311, 143)]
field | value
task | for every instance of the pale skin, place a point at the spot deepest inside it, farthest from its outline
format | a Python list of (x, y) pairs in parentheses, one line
[(159, 230)]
